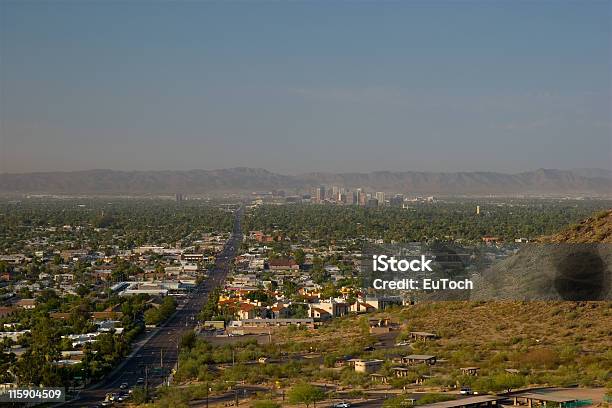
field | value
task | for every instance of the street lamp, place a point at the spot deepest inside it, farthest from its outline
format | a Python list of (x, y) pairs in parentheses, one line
[(177, 344)]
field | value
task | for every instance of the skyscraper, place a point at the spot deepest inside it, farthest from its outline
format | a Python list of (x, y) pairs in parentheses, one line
[(335, 191), (361, 197), (350, 197), (397, 200), (320, 194), (371, 203)]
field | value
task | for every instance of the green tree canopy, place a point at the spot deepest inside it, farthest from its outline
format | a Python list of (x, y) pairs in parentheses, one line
[(305, 394)]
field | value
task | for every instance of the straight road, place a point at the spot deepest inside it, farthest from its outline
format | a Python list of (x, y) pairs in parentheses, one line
[(161, 346)]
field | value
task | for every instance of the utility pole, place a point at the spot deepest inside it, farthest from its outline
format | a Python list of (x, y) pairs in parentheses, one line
[(146, 383)]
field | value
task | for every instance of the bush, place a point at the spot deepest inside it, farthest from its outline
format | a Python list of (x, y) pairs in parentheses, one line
[(543, 357), (265, 404), (139, 395), (431, 398), (329, 360)]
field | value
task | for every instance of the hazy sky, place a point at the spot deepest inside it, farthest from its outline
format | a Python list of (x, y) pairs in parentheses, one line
[(296, 87)]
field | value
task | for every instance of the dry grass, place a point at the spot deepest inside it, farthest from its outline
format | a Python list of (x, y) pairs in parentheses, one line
[(549, 342)]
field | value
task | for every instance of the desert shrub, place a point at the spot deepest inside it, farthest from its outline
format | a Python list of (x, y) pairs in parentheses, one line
[(348, 376), (540, 358), (265, 404), (329, 360), (431, 398)]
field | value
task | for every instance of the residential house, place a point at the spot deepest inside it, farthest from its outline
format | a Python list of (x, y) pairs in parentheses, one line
[(27, 304), (283, 265), (367, 366)]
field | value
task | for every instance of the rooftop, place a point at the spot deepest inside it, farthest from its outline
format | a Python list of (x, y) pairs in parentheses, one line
[(420, 357), (461, 402), (545, 397)]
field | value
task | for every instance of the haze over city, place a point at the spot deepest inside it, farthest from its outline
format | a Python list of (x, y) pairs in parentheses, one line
[(286, 204), (303, 87)]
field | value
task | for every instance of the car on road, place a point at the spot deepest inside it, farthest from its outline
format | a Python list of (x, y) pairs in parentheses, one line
[(466, 391), (123, 397), (140, 381), (402, 343), (342, 405), (123, 386)]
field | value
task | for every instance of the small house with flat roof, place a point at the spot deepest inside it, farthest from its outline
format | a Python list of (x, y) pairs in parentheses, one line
[(423, 336), (414, 359)]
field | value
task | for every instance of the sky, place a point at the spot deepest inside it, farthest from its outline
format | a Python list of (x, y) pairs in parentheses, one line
[(296, 87)]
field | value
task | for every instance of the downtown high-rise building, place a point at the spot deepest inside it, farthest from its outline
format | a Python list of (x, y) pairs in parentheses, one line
[(362, 197), (350, 198), (371, 203), (319, 194), (335, 193), (397, 200)]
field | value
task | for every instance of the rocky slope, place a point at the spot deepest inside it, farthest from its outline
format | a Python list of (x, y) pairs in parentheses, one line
[(574, 264)]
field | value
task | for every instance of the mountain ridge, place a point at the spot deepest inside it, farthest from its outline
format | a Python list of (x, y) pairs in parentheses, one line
[(246, 179)]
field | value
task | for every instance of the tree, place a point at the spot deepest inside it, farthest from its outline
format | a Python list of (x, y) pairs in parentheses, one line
[(188, 340), (329, 291), (507, 382), (299, 256), (155, 316), (305, 394), (160, 271), (259, 295), (298, 311), (290, 288), (79, 317), (82, 290)]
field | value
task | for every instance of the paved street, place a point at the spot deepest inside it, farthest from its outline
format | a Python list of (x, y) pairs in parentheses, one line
[(160, 346)]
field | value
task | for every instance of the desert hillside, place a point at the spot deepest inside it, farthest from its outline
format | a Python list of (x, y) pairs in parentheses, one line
[(596, 229), (573, 264)]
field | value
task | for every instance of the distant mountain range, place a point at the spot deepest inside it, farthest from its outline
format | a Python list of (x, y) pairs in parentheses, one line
[(243, 179)]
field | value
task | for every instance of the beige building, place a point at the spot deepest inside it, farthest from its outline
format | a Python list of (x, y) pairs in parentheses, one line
[(368, 366)]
